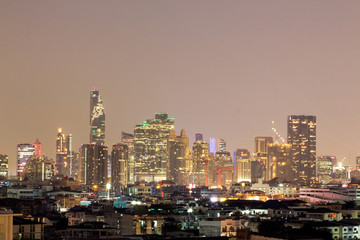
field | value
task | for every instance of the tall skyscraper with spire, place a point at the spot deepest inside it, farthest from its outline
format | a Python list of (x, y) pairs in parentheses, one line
[(97, 118)]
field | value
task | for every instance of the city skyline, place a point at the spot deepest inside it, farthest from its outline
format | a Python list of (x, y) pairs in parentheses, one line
[(202, 69)]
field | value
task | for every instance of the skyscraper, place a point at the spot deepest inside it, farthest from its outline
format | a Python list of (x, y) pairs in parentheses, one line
[(357, 162), (200, 163), (128, 139), (64, 154), (243, 165), (324, 168), (93, 164), (302, 137), (213, 145), (97, 118), (222, 145), (38, 169), (119, 167), (38, 148), (279, 162), (223, 169), (179, 153), (24, 152), (4, 165), (199, 137), (151, 148), (217, 145), (260, 164)]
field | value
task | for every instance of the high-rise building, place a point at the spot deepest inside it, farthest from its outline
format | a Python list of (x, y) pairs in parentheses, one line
[(279, 162), (199, 137), (119, 167), (24, 152), (4, 165), (93, 164), (260, 162), (38, 148), (213, 145), (38, 169), (177, 161), (243, 165), (357, 163), (179, 153), (64, 154), (302, 137), (340, 172), (75, 166), (151, 148), (217, 145), (97, 118), (222, 167), (200, 163), (262, 145), (222, 145), (324, 168), (128, 139)]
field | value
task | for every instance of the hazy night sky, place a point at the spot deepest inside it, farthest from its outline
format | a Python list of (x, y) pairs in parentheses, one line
[(224, 68)]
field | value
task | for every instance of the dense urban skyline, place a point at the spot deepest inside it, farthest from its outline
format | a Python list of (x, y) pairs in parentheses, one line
[(241, 64)]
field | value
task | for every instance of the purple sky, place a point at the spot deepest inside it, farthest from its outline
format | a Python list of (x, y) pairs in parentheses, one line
[(225, 68)]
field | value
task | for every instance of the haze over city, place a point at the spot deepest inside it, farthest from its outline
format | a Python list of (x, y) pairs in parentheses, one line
[(227, 69)]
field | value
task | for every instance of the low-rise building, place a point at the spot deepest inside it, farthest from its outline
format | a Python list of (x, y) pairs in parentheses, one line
[(140, 190), (333, 194), (90, 230), (6, 223), (27, 229), (323, 214), (220, 226), (28, 191)]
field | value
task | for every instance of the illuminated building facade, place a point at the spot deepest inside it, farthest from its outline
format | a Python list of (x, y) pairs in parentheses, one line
[(128, 139), (260, 164), (279, 162), (324, 168), (200, 163), (224, 169), (243, 165), (179, 154), (213, 145), (199, 137), (97, 118), (65, 163), (93, 164), (24, 152), (357, 162), (74, 171), (222, 145), (38, 148), (302, 137), (38, 169), (119, 167), (151, 148), (177, 161), (217, 145), (4, 165)]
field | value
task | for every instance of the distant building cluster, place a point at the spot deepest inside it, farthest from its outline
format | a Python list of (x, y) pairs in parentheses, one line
[(153, 152), (155, 182)]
